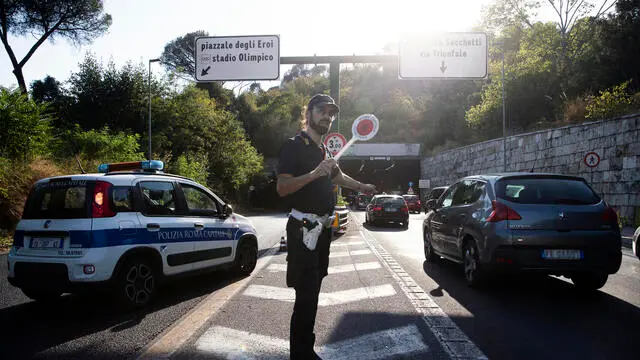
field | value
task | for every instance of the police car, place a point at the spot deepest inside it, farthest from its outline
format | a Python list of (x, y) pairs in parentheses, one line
[(124, 229)]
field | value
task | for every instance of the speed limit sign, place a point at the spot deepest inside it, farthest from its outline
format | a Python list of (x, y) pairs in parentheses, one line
[(334, 142)]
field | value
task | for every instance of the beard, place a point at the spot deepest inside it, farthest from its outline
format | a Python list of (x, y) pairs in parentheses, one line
[(320, 127)]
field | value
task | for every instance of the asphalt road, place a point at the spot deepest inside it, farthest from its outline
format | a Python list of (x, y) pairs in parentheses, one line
[(523, 318), (92, 328), (526, 318)]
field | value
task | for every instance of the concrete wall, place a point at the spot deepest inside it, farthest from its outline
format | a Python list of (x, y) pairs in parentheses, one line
[(561, 150)]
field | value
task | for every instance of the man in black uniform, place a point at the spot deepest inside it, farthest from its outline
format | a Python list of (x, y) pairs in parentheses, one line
[(307, 174)]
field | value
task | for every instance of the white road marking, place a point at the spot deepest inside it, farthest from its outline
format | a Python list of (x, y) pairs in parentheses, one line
[(350, 243), (379, 345), (453, 340), (334, 269), (325, 299), (175, 336), (234, 344), (337, 254)]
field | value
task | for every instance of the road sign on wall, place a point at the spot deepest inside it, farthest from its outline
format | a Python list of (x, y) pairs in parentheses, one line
[(460, 55), (424, 184), (236, 58)]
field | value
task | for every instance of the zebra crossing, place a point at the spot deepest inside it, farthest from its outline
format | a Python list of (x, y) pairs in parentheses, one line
[(364, 312)]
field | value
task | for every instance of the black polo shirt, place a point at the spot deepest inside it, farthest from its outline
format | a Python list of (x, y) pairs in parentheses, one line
[(298, 156)]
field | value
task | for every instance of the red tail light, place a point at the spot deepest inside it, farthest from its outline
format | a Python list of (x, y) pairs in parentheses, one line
[(502, 212), (609, 216), (419, 203), (100, 203), (377, 208), (405, 209)]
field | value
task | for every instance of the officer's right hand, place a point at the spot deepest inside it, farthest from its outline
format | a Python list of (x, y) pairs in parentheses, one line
[(325, 168)]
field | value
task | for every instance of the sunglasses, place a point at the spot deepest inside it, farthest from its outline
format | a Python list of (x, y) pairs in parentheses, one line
[(325, 109)]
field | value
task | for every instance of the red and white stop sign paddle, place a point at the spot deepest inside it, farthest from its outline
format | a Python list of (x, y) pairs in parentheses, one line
[(364, 128)]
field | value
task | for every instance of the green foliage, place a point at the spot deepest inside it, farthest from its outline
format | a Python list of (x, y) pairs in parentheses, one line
[(24, 129), (190, 123), (107, 96), (609, 103), (191, 166), (98, 146)]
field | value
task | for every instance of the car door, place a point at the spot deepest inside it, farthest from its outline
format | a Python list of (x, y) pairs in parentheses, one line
[(460, 213), (213, 235), (439, 219), (164, 224)]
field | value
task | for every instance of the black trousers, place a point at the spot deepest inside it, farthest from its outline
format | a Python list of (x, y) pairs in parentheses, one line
[(305, 271)]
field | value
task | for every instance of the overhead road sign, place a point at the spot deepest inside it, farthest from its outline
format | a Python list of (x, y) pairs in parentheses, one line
[(461, 55), (237, 58)]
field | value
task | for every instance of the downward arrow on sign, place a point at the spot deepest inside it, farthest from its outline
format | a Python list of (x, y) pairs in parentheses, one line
[(205, 71), (443, 67)]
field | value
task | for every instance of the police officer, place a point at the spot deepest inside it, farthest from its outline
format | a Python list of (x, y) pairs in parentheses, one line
[(307, 174)]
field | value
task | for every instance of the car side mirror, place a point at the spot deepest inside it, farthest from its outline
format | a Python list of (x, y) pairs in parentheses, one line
[(431, 204), (227, 211)]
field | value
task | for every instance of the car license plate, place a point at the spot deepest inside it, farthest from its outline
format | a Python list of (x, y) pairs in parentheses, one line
[(46, 243), (560, 254), (390, 209)]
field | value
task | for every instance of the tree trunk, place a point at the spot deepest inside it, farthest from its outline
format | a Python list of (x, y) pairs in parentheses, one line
[(17, 71)]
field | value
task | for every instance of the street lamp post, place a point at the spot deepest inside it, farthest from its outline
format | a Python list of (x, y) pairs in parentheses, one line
[(150, 61), (504, 123), (504, 116)]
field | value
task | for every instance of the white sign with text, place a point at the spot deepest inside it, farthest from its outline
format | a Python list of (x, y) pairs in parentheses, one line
[(460, 55), (237, 58)]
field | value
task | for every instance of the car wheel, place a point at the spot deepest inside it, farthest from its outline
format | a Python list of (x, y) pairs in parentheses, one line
[(589, 281), (472, 269), (246, 259), (42, 295), (137, 283), (429, 254)]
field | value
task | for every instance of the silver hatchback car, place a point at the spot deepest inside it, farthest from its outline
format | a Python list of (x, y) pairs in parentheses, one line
[(548, 223)]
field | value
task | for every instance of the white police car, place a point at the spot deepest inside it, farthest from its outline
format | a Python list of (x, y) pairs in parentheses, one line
[(124, 230)]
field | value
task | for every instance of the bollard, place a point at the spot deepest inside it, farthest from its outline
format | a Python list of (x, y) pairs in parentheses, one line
[(283, 244)]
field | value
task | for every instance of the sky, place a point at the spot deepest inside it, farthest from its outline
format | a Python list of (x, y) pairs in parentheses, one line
[(141, 29)]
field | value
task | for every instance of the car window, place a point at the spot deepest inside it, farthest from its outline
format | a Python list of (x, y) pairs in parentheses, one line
[(198, 201), (540, 190), (159, 198), (435, 193), (469, 191), (122, 198), (447, 197), (58, 199)]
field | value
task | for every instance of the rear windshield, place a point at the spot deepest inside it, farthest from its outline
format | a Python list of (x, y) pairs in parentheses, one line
[(58, 199), (390, 201), (538, 190)]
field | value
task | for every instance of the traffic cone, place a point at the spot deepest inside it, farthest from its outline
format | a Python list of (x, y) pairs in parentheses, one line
[(283, 244)]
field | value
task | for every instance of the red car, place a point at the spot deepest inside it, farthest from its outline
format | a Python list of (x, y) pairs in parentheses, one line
[(413, 202)]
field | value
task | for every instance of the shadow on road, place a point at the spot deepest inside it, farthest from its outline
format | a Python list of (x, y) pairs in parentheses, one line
[(540, 317), (30, 328), (391, 227)]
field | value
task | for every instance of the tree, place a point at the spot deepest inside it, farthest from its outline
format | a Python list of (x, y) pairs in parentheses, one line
[(179, 55), (23, 128), (80, 22)]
